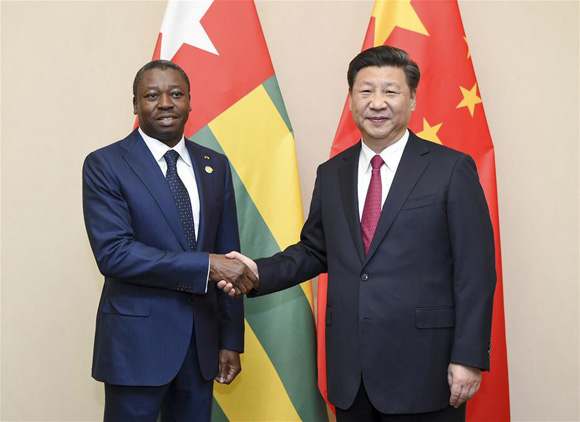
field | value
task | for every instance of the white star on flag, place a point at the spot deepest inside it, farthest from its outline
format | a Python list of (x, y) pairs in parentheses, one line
[(182, 25)]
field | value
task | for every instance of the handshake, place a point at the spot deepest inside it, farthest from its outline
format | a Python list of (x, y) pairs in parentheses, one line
[(234, 273)]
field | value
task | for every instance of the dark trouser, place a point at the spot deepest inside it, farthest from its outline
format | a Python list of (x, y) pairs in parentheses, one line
[(362, 410), (187, 398)]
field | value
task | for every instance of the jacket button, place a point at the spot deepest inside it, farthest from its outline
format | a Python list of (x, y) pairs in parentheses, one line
[(364, 277)]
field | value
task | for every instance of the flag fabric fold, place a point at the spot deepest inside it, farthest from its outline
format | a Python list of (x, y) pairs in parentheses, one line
[(450, 112), (237, 109)]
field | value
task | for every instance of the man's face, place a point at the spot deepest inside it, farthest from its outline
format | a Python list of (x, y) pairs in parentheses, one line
[(162, 104), (381, 104)]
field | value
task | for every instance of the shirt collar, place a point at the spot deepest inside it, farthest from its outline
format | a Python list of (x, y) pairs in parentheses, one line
[(158, 148), (391, 155)]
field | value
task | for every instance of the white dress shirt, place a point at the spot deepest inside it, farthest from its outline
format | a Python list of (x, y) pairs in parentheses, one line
[(391, 155), (184, 170)]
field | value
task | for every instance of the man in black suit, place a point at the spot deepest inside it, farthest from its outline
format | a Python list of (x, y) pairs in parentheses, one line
[(402, 227)]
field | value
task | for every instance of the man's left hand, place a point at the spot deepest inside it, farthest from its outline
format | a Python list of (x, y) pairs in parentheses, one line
[(464, 382), (230, 366)]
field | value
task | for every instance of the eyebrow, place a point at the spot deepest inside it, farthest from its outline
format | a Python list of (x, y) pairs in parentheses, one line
[(372, 83), (157, 87)]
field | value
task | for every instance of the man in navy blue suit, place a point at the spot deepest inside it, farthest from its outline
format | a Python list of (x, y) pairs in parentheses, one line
[(157, 209), (402, 227)]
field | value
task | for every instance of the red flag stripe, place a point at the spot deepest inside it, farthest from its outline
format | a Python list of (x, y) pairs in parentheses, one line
[(232, 27)]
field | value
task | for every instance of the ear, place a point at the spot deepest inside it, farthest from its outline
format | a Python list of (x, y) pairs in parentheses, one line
[(413, 100), (189, 102), (349, 101), (134, 106)]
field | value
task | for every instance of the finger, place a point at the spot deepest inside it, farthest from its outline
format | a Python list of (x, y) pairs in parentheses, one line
[(463, 397), (233, 372), (472, 391), (225, 286), (241, 288), (251, 276), (226, 373), (221, 376), (229, 376), (232, 255), (455, 394), (248, 285)]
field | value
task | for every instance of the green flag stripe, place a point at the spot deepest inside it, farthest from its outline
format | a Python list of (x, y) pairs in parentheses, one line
[(288, 312), (217, 414), (274, 317), (273, 89)]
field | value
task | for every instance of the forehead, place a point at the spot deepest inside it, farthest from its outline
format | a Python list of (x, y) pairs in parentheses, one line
[(381, 75), (161, 77)]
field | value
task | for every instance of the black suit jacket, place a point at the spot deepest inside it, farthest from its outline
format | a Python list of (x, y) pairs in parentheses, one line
[(423, 295)]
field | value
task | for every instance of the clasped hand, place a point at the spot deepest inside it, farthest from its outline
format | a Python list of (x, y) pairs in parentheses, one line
[(234, 273), (464, 382)]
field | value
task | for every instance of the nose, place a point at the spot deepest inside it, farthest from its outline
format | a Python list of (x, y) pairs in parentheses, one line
[(164, 102), (377, 102)]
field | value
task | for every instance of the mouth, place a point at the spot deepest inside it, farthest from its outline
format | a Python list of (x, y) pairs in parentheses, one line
[(377, 119), (167, 120)]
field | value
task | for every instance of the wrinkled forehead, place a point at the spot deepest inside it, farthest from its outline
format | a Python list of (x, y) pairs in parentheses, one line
[(166, 76), (391, 75)]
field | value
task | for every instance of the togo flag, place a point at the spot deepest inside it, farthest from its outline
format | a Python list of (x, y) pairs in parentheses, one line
[(237, 109)]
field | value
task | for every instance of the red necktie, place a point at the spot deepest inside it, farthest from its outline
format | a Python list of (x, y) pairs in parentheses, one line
[(372, 210)]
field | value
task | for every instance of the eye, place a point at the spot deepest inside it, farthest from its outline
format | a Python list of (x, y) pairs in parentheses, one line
[(177, 94), (151, 96)]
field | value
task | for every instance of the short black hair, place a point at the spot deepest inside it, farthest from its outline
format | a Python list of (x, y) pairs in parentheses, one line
[(161, 65), (385, 55)]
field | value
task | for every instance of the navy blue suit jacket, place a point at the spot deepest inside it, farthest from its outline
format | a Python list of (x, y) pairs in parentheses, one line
[(423, 295), (154, 287)]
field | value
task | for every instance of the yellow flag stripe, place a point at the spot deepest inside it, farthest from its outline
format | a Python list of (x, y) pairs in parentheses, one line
[(238, 400), (261, 149)]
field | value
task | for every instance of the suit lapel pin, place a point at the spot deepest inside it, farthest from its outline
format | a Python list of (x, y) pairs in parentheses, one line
[(208, 169), (206, 157)]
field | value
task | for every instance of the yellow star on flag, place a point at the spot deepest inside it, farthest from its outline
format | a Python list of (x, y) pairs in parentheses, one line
[(468, 49), (430, 132), (389, 14), (470, 98)]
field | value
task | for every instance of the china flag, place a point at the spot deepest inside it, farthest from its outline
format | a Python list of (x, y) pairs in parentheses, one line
[(450, 112)]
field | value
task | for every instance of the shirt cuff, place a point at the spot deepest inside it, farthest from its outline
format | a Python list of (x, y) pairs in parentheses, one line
[(207, 277)]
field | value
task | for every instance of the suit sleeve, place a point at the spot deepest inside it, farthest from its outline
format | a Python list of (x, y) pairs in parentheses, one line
[(117, 252), (301, 261), (473, 250), (231, 309)]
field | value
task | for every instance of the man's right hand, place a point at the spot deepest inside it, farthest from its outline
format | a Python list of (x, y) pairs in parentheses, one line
[(232, 272), (229, 287)]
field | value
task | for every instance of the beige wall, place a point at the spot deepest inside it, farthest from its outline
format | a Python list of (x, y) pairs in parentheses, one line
[(67, 69)]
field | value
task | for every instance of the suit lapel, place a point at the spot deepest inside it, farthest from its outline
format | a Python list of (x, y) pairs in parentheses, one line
[(140, 159), (412, 165), (204, 187), (347, 175)]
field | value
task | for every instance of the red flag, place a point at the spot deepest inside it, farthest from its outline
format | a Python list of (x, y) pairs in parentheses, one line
[(449, 111)]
